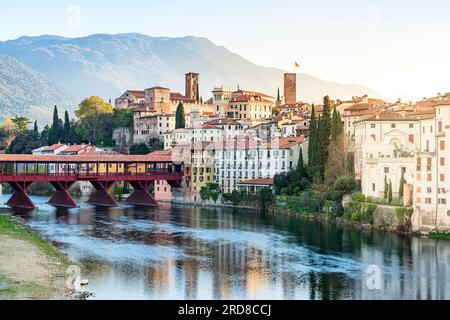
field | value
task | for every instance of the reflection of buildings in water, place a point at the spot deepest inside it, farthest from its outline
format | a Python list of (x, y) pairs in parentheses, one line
[(160, 278), (424, 265)]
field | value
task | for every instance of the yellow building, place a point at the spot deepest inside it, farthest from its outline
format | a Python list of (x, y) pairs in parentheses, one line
[(202, 162)]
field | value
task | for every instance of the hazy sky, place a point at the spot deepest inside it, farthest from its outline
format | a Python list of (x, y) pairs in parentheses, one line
[(400, 48)]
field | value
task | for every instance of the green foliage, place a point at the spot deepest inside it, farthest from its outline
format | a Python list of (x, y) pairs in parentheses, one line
[(386, 187), (312, 147), (439, 235), (358, 197), (266, 198), (390, 192), (123, 118), (139, 149), (210, 192), (96, 121), (21, 123), (401, 190), (235, 197), (118, 192), (25, 142), (56, 133), (360, 212), (180, 119)]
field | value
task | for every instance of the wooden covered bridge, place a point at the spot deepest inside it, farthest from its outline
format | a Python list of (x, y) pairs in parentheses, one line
[(102, 171)]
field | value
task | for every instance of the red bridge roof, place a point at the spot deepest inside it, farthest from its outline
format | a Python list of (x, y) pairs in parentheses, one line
[(160, 156)]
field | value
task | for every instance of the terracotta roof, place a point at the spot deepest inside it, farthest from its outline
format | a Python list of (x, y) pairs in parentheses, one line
[(282, 143), (53, 147), (250, 99), (157, 88), (137, 93), (208, 126), (388, 116), (160, 156), (223, 122), (358, 106), (262, 181), (76, 148)]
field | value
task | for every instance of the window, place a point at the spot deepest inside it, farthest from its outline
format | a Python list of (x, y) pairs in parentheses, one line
[(442, 145), (428, 200), (442, 161), (419, 177), (440, 126), (373, 187), (411, 138), (429, 178), (419, 200), (373, 125), (429, 190), (442, 201), (393, 125), (411, 126), (419, 190), (386, 170), (442, 177)]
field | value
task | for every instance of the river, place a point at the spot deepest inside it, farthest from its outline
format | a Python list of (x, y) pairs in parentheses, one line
[(176, 252)]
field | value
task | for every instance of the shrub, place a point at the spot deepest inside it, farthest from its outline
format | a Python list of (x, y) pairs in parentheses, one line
[(358, 197)]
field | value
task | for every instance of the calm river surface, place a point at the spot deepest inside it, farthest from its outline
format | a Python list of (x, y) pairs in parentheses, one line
[(176, 252)]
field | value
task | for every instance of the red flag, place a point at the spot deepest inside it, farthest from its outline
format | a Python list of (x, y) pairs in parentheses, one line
[(297, 65)]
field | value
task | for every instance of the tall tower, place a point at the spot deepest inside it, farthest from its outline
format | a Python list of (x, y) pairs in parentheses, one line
[(290, 88), (192, 86)]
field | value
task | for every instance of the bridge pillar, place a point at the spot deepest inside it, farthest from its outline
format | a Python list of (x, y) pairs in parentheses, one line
[(20, 198), (62, 198), (101, 197), (140, 196)]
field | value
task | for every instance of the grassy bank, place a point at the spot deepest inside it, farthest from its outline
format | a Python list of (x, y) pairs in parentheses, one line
[(30, 266), (439, 236)]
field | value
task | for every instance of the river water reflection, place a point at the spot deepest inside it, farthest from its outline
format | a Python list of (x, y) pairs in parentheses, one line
[(177, 252)]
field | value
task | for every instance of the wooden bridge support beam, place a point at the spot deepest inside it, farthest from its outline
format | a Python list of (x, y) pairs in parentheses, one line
[(140, 196), (62, 198), (101, 197), (20, 198)]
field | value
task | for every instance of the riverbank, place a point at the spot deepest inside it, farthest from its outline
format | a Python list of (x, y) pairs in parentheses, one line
[(31, 268)]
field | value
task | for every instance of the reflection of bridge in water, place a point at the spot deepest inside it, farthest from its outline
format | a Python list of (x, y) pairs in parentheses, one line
[(102, 171)]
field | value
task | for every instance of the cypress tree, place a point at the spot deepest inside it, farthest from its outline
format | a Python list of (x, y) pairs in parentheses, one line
[(312, 136), (386, 187), (66, 124), (180, 121), (301, 165), (336, 125), (325, 130), (390, 192), (401, 190), (36, 129), (278, 95)]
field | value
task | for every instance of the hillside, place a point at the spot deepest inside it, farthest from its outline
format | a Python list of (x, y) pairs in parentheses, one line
[(107, 65), (24, 91)]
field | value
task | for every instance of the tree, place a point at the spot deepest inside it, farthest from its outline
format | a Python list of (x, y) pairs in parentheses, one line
[(390, 192), (36, 128), (278, 95), (301, 165), (66, 124), (56, 133), (21, 123), (45, 134), (25, 143), (312, 136), (401, 190), (386, 187), (96, 121), (324, 136), (180, 120), (265, 198), (336, 126), (139, 149)]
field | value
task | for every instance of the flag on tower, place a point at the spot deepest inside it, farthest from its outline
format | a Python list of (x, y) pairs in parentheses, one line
[(297, 65)]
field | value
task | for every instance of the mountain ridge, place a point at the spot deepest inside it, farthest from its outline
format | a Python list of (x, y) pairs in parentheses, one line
[(108, 64)]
